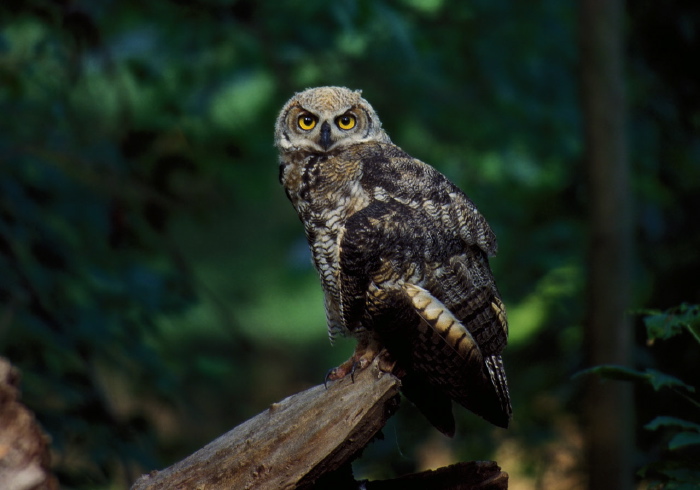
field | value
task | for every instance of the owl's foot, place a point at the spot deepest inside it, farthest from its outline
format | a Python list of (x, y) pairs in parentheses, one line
[(365, 353)]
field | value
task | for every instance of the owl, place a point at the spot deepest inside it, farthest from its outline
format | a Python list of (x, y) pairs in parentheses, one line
[(402, 254)]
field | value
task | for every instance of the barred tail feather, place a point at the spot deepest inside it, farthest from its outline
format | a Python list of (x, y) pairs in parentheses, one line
[(448, 355), (497, 373)]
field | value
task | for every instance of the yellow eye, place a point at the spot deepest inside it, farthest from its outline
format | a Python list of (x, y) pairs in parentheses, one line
[(346, 122), (306, 122)]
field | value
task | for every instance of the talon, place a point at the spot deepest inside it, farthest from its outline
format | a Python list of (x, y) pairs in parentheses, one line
[(358, 365), (352, 371), (328, 377)]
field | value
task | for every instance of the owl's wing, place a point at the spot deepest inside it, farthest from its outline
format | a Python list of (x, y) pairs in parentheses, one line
[(429, 295), (390, 173)]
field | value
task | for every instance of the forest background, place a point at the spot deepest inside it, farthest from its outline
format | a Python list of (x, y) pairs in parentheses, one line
[(155, 285)]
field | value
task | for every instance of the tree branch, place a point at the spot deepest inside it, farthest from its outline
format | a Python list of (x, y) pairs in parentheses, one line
[(313, 435)]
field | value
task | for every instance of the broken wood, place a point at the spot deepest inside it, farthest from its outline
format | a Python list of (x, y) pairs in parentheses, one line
[(309, 440)]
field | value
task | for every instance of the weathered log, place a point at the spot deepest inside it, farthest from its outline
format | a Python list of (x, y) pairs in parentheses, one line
[(292, 443), (309, 440)]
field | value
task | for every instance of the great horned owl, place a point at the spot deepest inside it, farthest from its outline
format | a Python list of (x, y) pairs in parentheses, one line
[(402, 255)]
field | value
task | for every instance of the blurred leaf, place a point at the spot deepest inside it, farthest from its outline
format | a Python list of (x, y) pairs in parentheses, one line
[(238, 103), (653, 377), (683, 439), (661, 380), (682, 479), (667, 421), (614, 372)]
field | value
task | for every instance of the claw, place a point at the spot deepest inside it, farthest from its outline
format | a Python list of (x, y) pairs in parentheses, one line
[(358, 365), (328, 377), (352, 371)]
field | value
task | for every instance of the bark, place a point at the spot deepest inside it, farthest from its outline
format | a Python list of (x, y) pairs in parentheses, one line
[(24, 447), (608, 410)]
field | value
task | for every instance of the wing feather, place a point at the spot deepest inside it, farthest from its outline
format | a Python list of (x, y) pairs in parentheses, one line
[(414, 272)]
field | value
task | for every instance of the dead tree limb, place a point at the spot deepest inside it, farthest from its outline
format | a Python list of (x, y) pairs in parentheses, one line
[(293, 442), (309, 439)]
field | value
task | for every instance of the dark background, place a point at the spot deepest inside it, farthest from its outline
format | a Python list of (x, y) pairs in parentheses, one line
[(155, 287)]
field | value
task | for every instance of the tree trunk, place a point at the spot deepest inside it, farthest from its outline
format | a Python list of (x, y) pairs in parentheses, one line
[(24, 447), (608, 409)]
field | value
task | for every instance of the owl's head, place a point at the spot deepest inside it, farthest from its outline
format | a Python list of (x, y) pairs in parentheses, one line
[(326, 119)]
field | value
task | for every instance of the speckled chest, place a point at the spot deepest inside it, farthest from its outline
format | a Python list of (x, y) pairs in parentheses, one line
[(325, 191)]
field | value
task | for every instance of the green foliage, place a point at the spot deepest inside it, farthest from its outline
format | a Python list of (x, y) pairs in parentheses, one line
[(676, 470), (664, 325), (653, 377), (690, 431)]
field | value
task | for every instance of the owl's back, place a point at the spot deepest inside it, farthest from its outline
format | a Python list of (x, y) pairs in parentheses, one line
[(420, 230)]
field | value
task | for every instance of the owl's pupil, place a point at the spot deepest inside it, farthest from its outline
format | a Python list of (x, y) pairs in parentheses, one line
[(308, 120)]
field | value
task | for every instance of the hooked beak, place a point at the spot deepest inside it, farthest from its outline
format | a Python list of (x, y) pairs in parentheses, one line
[(326, 141)]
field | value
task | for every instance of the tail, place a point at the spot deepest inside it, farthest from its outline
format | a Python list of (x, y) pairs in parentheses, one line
[(449, 357)]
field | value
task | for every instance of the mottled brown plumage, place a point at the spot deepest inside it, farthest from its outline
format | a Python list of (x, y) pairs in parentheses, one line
[(402, 255)]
